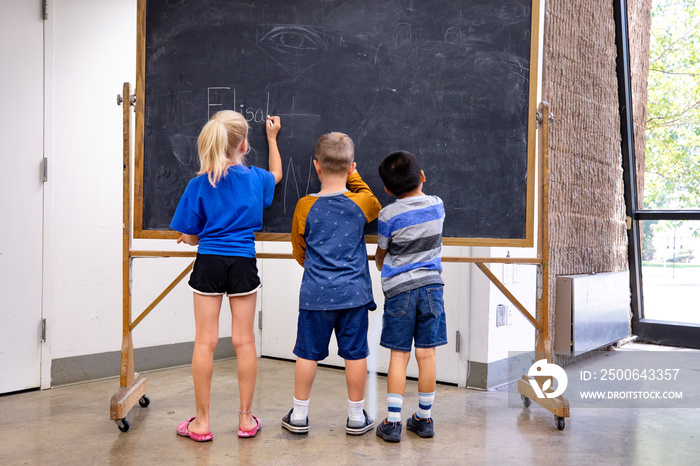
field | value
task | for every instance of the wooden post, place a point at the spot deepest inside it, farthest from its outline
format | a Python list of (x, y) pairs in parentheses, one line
[(126, 376), (132, 387), (543, 344), (559, 405)]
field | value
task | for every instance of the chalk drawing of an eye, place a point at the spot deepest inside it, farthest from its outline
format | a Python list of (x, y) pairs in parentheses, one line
[(294, 48)]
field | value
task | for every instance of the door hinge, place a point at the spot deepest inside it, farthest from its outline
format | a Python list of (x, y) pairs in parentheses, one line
[(458, 342), (45, 169), (540, 281), (45, 9), (260, 319), (43, 330)]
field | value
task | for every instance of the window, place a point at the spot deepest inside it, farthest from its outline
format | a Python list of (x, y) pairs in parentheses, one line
[(663, 191)]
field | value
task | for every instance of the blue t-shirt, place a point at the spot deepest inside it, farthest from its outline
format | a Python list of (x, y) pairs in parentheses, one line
[(226, 217)]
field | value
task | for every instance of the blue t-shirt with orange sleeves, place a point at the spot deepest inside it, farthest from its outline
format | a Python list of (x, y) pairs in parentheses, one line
[(328, 240), (227, 216)]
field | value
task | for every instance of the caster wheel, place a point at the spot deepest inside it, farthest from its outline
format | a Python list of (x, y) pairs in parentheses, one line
[(144, 401), (560, 422), (526, 401), (123, 424)]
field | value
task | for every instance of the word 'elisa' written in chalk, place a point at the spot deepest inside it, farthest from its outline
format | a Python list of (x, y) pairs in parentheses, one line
[(258, 115), (221, 98)]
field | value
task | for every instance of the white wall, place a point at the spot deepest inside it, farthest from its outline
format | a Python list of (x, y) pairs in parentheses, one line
[(90, 53), (93, 52), (93, 45)]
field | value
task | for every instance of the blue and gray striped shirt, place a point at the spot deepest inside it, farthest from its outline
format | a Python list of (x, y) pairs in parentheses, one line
[(410, 229)]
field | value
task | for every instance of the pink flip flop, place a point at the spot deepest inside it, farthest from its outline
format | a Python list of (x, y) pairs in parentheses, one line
[(183, 430), (250, 433)]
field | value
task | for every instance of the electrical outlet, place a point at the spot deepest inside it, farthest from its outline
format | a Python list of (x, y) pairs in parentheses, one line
[(509, 315)]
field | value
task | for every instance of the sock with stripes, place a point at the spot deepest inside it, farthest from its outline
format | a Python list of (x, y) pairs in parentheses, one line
[(395, 402), (425, 403)]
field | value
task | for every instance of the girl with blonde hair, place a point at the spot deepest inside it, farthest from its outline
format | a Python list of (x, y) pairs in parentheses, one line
[(220, 211)]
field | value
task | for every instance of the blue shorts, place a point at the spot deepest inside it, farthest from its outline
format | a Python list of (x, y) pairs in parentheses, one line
[(415, 314), (314, 331)]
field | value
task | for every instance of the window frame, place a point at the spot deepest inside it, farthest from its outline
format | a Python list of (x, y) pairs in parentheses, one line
[(647, 330)]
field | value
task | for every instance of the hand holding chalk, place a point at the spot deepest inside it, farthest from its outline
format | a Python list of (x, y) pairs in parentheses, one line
[(272, 126)]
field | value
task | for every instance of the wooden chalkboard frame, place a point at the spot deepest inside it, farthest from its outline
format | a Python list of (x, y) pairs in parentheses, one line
[(528, 241)]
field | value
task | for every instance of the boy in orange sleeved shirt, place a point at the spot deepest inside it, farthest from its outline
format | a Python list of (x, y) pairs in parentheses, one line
[(336, 290)]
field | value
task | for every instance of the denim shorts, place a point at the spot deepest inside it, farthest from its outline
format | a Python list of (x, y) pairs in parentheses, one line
[(417, 314), (314, 331)]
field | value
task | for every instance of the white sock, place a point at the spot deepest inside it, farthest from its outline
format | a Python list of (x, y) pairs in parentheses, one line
[(301, 410), (355, 410)]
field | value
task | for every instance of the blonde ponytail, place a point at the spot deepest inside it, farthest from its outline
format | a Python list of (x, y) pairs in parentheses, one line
[(218, 144)]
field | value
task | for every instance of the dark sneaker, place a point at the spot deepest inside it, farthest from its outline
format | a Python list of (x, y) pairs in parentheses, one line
[(389, 431), (298, 429), (423, 426), (361, 427)]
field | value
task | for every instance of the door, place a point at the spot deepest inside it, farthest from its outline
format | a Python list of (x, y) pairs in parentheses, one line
[(21, 194)]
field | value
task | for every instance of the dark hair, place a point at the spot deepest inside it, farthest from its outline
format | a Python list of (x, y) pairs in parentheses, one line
[(400, 172)]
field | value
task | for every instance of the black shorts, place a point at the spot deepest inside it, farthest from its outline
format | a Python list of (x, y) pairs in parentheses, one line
[(230, 275)]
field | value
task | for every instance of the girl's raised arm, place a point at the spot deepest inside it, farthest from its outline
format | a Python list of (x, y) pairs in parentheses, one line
[(272, 127)]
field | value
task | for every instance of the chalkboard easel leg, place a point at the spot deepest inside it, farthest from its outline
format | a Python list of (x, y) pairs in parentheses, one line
[(132, 386), (559, 406)]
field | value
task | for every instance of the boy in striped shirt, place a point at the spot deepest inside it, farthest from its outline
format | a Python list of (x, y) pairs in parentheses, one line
[(409, 248)]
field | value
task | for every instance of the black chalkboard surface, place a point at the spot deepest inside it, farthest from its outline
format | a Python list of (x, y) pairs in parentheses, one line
[(450, 81)]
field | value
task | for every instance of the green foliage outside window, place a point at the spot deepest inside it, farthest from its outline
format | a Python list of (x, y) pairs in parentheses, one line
[(672, 178)]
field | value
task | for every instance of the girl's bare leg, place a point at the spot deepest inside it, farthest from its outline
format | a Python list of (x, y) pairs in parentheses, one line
[(206, 317), (243, 337)]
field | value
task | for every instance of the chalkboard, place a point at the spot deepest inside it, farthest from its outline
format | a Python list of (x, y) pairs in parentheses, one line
[(451, 81)]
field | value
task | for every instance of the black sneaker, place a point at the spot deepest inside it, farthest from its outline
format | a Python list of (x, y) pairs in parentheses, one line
[(298, 429), (389, 431), (359, 428), (423, 426)]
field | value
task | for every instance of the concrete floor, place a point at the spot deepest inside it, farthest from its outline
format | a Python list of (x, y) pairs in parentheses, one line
[(70, 425)]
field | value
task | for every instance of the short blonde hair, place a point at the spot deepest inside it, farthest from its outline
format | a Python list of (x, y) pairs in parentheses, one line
[(335, 152), (218, 141)]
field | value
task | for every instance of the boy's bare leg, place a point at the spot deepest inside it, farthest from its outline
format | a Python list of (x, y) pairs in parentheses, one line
[(206, 317), (356, 378), (304, 375), (243, 338), (426, 369), (396, 377)]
